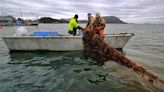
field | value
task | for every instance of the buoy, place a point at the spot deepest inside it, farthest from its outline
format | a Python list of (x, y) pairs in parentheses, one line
[(1, 26)]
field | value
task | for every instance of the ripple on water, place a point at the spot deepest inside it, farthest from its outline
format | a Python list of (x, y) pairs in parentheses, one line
[(73, 72), (69, 71)]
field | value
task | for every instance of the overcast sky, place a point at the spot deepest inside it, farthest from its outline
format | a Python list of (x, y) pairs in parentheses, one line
[(133, 11)]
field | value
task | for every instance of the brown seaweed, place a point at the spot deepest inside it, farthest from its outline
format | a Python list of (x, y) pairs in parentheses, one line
[(100, 51)]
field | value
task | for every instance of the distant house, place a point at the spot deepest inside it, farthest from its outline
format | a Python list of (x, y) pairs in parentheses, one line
[(7, 20)]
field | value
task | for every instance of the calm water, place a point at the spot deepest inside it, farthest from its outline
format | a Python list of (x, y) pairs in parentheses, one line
[(72, 72)]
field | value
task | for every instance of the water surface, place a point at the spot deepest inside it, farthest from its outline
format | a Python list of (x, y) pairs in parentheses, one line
[(73, 72)]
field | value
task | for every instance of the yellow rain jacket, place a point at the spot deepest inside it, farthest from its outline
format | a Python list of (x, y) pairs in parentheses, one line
[(72, 24)]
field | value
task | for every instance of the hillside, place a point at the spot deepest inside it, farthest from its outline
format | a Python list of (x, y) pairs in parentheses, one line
[(51, 20), (108, 19), (113, 19)]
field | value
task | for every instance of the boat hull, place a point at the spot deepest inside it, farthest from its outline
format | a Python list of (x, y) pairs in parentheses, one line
[(59, 43)]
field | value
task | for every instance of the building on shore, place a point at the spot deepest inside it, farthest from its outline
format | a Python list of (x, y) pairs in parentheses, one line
[(7, 20)]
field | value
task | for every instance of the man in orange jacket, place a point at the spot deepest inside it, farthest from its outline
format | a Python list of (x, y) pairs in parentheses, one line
[(99, 25)]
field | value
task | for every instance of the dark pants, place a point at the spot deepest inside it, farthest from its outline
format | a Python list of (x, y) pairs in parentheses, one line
[(73, 32)]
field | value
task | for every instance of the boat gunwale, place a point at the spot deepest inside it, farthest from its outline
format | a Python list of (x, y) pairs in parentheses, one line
[(66, 36)]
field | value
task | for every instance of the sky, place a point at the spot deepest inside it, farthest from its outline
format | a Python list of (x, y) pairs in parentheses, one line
[(131, 11)]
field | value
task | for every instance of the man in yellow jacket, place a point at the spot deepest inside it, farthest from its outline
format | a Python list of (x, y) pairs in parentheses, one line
[(74, 25)]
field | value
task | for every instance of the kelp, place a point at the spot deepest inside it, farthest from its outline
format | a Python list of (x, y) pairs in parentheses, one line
[(96, 48)]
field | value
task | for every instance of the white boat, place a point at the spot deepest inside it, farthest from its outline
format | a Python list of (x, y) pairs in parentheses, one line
[(60, 43)]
